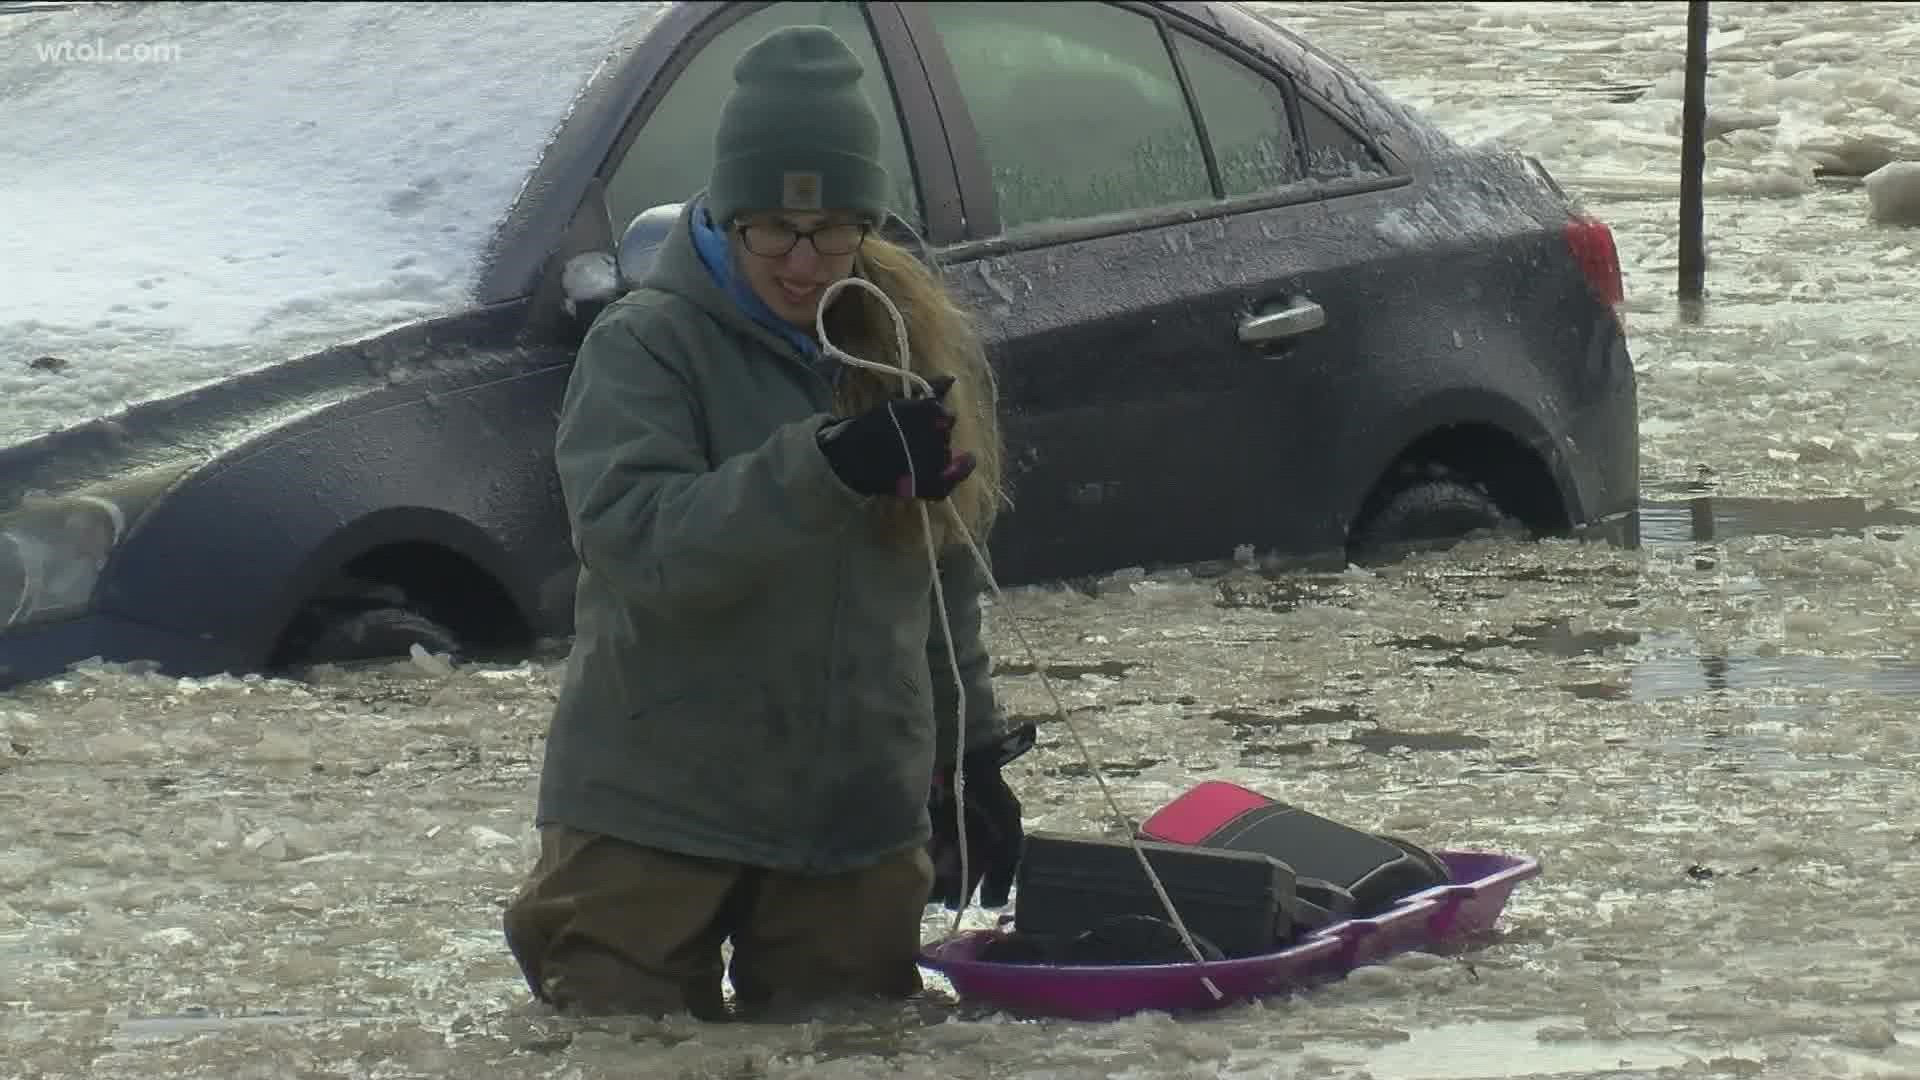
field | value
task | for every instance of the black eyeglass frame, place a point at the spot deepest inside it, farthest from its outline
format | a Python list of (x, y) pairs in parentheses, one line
[(809, 235)]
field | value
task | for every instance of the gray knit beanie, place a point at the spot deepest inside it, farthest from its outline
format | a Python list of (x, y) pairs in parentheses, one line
[(797, 133)]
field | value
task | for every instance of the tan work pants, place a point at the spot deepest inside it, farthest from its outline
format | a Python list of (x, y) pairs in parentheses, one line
[(604, 927)]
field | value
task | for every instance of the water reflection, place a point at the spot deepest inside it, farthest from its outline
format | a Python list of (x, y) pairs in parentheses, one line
[(1677, 667), (1383, 741), (1655, 666), (1711, 518), (1554, 637), (195, 1021), (1687, 672)]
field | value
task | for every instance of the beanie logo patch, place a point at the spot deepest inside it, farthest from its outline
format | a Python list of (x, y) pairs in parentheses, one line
[(800, 191)]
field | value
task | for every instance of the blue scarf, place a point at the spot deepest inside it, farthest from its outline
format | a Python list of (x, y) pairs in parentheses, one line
[(710, 240)]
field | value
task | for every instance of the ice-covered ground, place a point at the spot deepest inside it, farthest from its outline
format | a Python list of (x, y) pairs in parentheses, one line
[(191, 187), (1709, 743)]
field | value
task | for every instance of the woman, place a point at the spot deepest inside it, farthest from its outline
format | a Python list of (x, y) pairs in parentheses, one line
[(758, 714)]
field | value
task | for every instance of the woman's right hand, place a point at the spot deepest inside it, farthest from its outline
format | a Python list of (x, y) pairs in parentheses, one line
[(903, 447)]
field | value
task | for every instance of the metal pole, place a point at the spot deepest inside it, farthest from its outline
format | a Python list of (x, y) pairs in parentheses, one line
[(1693, 157)]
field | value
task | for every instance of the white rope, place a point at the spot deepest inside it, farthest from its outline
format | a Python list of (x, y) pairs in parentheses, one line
[(911, 381)]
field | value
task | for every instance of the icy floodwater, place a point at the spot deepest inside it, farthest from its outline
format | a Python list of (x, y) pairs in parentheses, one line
[(1708, 743), (1796, 382)]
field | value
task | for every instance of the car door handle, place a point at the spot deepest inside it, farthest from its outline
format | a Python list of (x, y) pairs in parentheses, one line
[(1295, 319)]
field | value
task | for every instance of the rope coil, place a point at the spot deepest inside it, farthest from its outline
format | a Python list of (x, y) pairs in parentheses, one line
[(911, 382)]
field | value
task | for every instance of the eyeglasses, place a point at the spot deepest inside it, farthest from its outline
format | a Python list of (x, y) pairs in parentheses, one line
[(774, 240)]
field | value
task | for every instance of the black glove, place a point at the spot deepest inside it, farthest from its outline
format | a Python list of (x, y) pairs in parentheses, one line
[(995, 839), (866, 451)]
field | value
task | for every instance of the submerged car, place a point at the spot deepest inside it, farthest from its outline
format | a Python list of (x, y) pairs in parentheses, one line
[(1235, 295)]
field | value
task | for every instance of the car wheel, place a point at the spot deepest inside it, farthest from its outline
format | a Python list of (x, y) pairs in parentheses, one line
[(358, 625), (1430, 513), (381, 633)]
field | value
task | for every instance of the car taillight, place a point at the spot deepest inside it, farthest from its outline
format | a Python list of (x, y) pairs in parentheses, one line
[(1591, 243)]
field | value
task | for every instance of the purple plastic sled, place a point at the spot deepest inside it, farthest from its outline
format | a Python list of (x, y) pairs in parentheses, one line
[(1090, 992)]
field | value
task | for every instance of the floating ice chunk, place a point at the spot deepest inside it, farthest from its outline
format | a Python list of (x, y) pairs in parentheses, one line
[(122, 746), (1848, 155), (266, 843), (439, 665), (1724, 121), (488, 838), (1893, 194), (1826, 448), (281, 745), (1869, 1034), (1724, 39), (1775, 176), (173, 939)]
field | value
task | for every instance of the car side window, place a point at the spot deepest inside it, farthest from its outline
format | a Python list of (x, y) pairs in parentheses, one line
[(669, 161), (1077, 106), (1333, 152), (1245, 114)]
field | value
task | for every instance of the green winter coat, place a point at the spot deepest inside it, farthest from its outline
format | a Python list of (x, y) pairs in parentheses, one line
[(754, 677)]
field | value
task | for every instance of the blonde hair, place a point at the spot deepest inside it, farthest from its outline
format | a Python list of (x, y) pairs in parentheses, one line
[(942, 340)]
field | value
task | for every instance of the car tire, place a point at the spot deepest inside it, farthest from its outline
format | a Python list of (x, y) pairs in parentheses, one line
[(378, 634), (1430, 513), (358, 623)]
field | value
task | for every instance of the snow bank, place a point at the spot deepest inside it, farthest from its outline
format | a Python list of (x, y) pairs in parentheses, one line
[(191, 187)]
